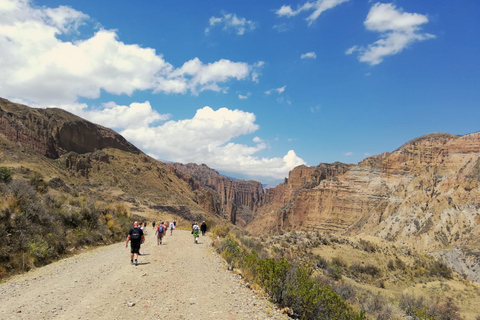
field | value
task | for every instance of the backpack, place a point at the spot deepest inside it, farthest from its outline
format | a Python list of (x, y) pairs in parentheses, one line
[(160, 228), (135, 234)]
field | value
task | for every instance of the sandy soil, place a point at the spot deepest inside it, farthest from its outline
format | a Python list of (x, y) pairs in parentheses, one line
[(176, 280)]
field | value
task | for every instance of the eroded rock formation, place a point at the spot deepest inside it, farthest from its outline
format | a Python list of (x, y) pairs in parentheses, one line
[(234, 199), (55, 132), (425, 194)]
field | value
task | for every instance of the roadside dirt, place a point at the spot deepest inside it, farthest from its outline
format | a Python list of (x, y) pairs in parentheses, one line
[(176, 280)]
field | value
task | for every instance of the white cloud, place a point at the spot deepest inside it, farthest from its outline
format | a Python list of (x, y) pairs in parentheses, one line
[(40, 68), (309, 55), (230, 21), (397, 29), (283, 27), (348, 154), (318, 8), (36, 63), (206, 139), (111, 115), (315, 109), (278, 90), (243, 97)]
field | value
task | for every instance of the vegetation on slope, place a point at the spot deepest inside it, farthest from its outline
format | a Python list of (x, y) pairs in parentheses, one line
[(322, 276), (39, 227)]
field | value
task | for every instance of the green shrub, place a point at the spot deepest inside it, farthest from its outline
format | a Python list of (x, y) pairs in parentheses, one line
[(5, 174), (229, 249), (36, 180)]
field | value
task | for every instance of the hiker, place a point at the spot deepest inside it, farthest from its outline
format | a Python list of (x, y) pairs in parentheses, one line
[(135, 235), (172, 226), (153, 224), (160, 232), (175, 223), (195, 231), (203, 228)]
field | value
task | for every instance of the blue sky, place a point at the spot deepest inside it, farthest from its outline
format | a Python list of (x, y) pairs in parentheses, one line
[(250, 88)]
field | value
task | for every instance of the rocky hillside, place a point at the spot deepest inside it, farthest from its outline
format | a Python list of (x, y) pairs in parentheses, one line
[(235, 200), (78, 157), (55, 132), (425, 195)]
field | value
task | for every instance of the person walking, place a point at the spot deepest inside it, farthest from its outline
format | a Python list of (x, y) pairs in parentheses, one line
[(203, 228), (136, 238), (160, 232), (153, 224), (195, 231), (172, 226)]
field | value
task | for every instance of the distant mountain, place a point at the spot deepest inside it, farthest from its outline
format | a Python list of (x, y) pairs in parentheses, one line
[(234, 199)]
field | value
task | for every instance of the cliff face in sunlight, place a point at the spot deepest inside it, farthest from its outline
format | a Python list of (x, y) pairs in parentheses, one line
[(234, 199), (55, 132), (425, 194)]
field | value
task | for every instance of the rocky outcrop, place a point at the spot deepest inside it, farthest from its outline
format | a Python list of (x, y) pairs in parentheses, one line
[(424, 194), (55, 132), (236, 200)]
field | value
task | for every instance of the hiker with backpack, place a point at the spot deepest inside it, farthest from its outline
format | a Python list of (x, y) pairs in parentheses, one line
[(195, 232), (160, 232), (172, 226), (136, 238)]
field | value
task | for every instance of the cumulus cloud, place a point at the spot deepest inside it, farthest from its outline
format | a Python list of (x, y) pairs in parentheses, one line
[(42, 68), (309, 55), (230, 21), (318, 7), (36, 63), (206, 138), (398, 30), (111, 115)]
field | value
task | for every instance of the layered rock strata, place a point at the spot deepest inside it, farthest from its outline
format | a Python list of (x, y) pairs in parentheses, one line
[(55, 132), (425, 194), (236, 200)]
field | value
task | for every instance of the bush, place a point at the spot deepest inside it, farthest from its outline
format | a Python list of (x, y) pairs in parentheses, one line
[(229, 249), (410, 304), (36, 180), (369, 269), (220, 231), (292, 286), (321, 263), (5, 174), (339, 262), (440, 269)]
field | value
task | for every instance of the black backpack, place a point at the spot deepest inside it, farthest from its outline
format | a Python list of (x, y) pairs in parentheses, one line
[(135, 234)]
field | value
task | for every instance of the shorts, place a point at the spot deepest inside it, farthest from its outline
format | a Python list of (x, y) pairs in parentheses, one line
[(135, 247)]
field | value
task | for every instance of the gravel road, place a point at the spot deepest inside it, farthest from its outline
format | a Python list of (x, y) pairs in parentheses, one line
[(176, 280)]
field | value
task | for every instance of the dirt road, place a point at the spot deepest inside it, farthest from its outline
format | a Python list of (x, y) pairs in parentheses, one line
[(176, 280)]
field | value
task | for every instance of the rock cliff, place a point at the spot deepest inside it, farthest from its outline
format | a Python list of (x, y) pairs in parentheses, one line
[(424, 194), (234, 199), (55, 132)]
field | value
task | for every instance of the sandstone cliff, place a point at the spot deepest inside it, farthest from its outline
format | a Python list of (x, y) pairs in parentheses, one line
[(55, 132), (425, 194), (234, 199)]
